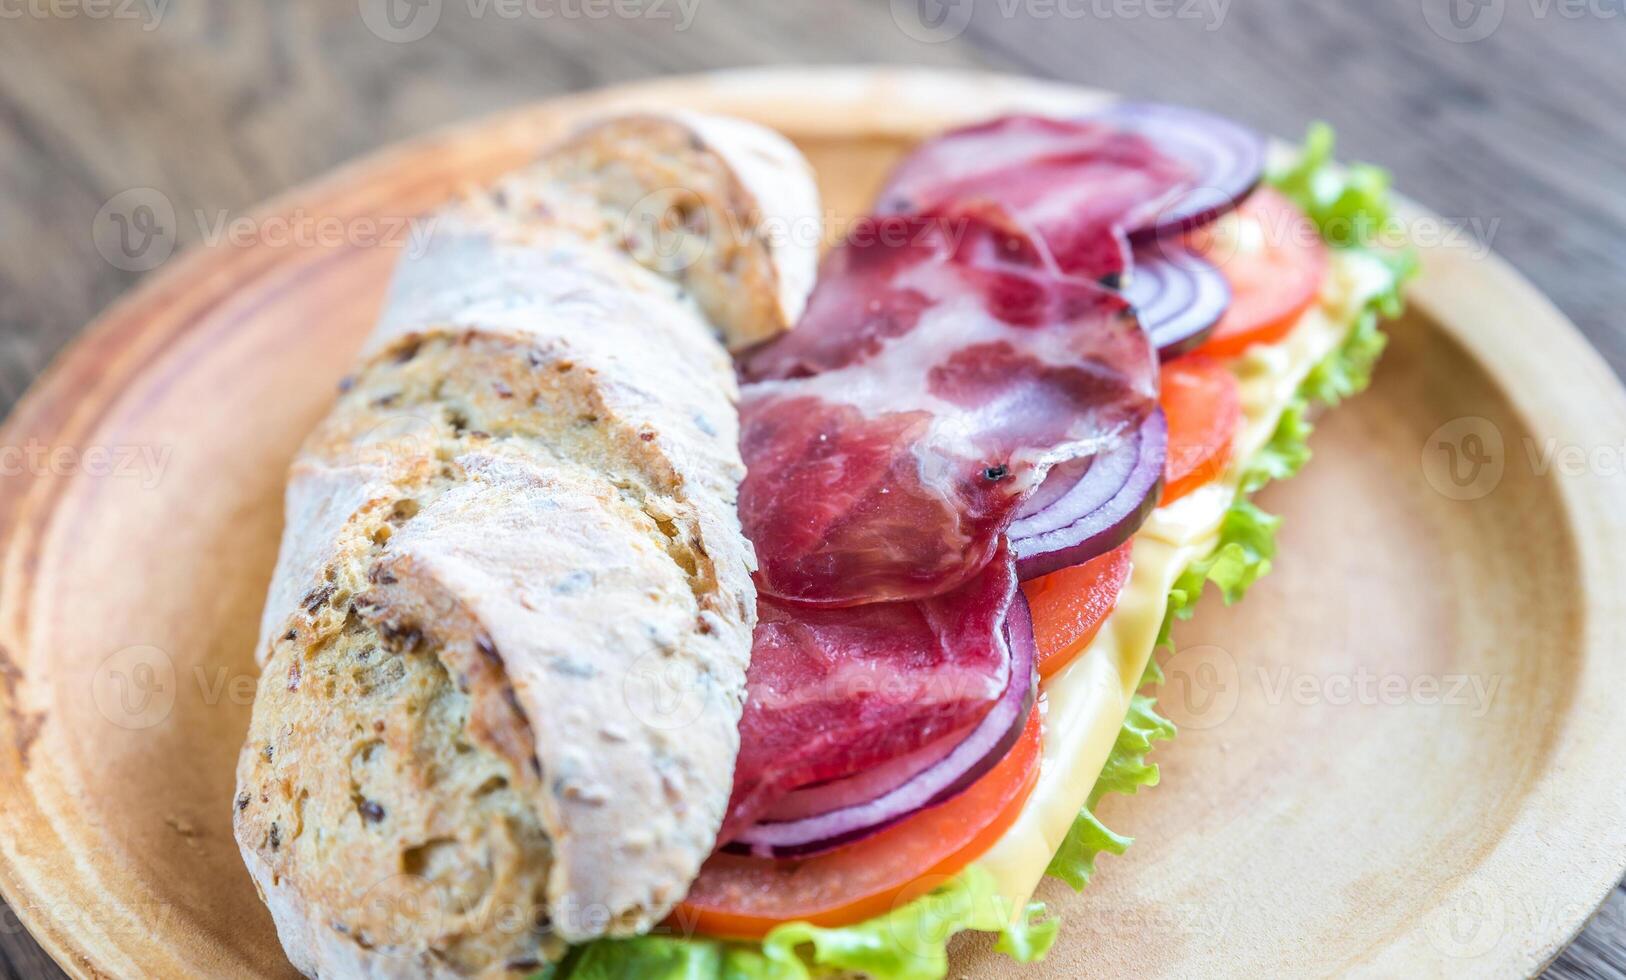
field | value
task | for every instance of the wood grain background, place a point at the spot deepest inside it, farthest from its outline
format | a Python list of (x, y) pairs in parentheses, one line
[(207, 107)]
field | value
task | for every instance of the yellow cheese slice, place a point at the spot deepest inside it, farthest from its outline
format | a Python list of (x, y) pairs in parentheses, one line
[(1088, 699)]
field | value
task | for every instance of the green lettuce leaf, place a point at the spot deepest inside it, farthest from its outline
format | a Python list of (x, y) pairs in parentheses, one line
[(910, 943), (1074, 861), (1284, 453), (663, 958), (1350, 204)]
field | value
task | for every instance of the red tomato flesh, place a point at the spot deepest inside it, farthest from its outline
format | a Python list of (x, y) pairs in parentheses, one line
[(1271, 285), (1069, 606), (1204, 408)]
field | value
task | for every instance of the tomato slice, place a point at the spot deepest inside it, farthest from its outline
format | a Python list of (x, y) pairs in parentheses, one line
[(1200, 399), (741, 897), (1069, 606), (1275, 267)]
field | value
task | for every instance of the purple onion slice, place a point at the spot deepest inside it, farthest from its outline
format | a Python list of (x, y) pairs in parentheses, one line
[(838, 794), (988, 742), (1079, 524), (1087, 484), (1178, 295), (1227, 158)]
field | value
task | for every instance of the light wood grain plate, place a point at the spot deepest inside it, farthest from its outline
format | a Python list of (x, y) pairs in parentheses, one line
[(1426, 832)]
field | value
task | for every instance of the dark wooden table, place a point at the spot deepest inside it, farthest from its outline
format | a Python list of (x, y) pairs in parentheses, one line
[(1505, 116)]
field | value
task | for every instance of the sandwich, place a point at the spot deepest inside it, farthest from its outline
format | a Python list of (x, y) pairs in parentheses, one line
[(903, 586)]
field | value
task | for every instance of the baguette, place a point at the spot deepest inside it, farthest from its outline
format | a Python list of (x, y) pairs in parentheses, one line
[(512, 536)]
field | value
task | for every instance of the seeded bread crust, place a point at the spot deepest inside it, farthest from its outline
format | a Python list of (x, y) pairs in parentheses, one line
[(504, 649), (727, 209)]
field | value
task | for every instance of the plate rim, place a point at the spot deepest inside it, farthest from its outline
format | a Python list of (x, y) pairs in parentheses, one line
[(839, 100)]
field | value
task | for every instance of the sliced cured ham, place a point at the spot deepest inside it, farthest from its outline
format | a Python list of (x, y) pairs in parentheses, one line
[(958, 346), (870, 293), (930, 386), (1077, 186), (833, 692)]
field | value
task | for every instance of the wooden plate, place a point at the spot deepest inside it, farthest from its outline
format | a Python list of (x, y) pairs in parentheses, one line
[(1343, 799)]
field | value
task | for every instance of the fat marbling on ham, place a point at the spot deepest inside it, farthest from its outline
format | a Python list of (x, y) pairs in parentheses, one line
[(1076, 185), (932, 383)]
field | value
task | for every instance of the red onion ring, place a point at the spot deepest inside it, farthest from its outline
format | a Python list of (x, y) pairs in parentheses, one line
[(1093, 516), (968, 761), (1179, 297), (1228, 160), (838, 794)]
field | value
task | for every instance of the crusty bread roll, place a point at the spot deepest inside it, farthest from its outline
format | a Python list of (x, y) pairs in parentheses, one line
[(505, 644)]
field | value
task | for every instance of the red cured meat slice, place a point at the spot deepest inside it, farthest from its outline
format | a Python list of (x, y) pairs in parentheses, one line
[(866, 297), (836, 691), (1073, 184), (924, 396)]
